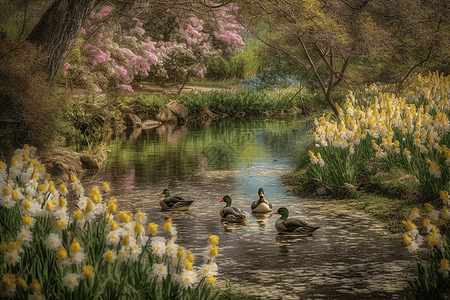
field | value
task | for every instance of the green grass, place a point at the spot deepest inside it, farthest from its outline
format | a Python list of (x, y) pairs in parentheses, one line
[(386, 208), (228, 294)]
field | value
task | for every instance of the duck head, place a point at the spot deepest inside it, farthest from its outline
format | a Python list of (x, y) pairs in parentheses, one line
[(227, 200), (166, 192), (261, 192), (283, 211)]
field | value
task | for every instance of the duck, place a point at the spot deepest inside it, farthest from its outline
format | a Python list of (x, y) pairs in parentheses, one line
[(292, 226), (174, 202), (261, 205), (230, 213)]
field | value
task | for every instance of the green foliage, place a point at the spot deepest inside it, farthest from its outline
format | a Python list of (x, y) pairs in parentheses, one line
[(431, 281), (89, 118), (144, 102), (248, 99), (240, 66), (228, 294)]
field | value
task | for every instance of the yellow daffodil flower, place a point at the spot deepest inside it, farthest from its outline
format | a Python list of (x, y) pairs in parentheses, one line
[(168, 224), (88, 271), (62, 253), (35, 287), (213, 240)]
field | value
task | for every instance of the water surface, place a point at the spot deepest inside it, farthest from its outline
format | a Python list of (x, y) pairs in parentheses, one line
[(349, 257)]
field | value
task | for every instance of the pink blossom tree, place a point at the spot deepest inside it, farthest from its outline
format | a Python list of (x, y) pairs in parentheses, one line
[(114, 48)]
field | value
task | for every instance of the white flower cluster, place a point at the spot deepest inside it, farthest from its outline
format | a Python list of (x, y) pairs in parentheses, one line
[(27, 187)]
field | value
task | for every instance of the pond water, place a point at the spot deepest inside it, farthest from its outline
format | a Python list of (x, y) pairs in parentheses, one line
[(350, 257)]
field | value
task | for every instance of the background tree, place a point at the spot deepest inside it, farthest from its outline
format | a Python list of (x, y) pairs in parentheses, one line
[(355, 40)]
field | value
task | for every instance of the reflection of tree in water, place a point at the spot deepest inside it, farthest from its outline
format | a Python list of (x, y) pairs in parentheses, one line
[(181, 152)]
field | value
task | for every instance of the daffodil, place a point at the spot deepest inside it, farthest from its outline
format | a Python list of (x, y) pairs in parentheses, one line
[(208, 269), (88, 271), (71, 281), (187, 278), (35, 287), (190, 256), (54, 241), (126, 240), (414, 214), (73, 177), (62, 223), (21, 283), (8, 285), (124, 217), (138, 228), (160, 271), (74, 247), (187, 265), (25, 236), (78, 214), (210, 280), (11, 257), (158, 246), (62, 253), (180, 253), (153, 228), (168, 224), (26, 221), (112, 206), (213, 251), (109, 256)]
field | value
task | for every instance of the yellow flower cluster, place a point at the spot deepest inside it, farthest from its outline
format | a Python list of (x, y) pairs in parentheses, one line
[(387, 114), (26, 185)]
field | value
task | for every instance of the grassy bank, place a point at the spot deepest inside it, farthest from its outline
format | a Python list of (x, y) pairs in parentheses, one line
[(93, 118), (388, 154)]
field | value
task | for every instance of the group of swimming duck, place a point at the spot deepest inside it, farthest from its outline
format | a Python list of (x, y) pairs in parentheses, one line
[(283, 225)]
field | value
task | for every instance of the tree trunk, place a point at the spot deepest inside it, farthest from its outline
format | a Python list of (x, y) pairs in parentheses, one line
[(57, 30)]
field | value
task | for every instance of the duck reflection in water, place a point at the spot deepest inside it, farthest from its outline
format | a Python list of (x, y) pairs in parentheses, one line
[(230, 226), (284, 242), (261, 219)]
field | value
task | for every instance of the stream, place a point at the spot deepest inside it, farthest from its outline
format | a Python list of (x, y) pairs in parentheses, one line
[(351, 256)]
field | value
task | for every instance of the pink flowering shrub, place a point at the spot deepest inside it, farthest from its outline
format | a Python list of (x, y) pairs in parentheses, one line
[(115, 51)]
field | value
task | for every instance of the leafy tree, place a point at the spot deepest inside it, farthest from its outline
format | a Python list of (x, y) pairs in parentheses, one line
[(389, 39)]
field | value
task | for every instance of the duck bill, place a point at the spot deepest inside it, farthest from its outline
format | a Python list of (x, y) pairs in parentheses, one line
[(221, 200), (162, 193), (275, 213), (261, 194)]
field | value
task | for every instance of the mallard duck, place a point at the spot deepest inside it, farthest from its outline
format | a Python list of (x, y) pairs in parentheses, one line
[(292, 226), (174, 202), (232, 214), (261, 205)]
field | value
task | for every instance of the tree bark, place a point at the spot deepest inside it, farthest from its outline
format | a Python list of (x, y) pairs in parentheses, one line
[(57, 30)]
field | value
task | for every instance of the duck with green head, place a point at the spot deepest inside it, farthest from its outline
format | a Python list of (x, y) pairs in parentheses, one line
[(230, 213), (292, 226), (261, 205), (174, 202)]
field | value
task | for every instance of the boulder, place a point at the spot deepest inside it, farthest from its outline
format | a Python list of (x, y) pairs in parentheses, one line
[(167, 116), (150, 124), (131, 120), (178, 109), (90, 162), (60, 162), (323, 191)]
